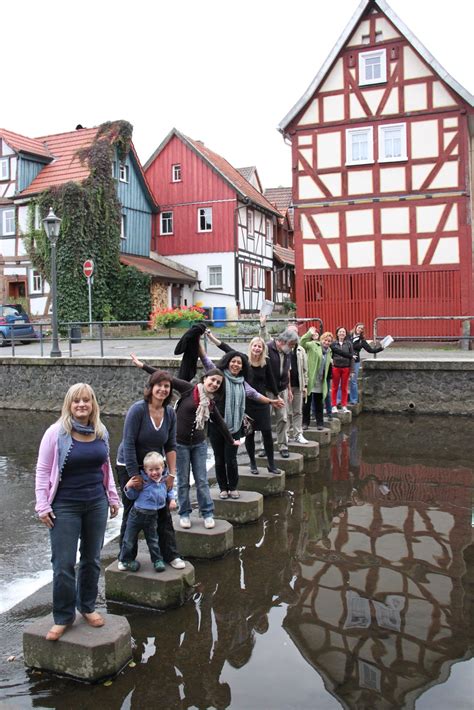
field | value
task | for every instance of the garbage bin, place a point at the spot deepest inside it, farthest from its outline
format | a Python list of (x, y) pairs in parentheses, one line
[(219, 316), (75, 334)]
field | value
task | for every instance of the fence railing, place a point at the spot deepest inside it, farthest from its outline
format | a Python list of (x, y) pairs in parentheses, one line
[(465, 339)]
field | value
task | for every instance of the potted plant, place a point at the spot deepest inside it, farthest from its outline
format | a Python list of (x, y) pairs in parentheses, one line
[(181, 317)]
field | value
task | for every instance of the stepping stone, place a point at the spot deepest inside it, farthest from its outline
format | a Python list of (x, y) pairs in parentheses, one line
[(323, 437), (355, 409), (292, 466), (308, 451), (344, 417), (158, 590), (334, 425), (200, 542), (311, 466), (246, 509), (266, 483), (86, 653)]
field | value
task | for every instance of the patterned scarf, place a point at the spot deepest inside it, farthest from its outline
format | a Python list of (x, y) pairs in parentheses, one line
[(234, 401), (203, 410)]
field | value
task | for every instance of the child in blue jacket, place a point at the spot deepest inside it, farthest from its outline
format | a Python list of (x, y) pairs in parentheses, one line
[(150, 494)]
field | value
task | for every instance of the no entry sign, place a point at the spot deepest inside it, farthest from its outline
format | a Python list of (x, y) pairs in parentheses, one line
[(88, 268)]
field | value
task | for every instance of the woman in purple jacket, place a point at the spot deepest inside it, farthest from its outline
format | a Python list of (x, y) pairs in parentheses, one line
[(75, 491)]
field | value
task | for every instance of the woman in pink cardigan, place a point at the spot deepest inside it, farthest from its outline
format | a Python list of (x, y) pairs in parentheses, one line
[(75, 490)]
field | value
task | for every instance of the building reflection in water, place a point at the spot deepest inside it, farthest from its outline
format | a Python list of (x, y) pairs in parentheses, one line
[(381, 610)]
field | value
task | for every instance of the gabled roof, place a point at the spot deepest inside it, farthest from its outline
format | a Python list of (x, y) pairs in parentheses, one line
[(22, 144), (251, 173), (157, 269), (343, 39), (280, 197), (285, 255), (66, 166), (220, 165)]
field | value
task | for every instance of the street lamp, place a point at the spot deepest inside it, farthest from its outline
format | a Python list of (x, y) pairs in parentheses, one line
[(52, 225)]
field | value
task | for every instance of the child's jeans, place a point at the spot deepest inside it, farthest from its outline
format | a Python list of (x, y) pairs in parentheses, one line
[(140, 519)]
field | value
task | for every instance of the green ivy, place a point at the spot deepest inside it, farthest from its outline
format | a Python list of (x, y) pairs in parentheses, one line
[(90, 229)]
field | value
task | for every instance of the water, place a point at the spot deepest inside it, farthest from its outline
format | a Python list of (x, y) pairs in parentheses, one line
[(352, 590)]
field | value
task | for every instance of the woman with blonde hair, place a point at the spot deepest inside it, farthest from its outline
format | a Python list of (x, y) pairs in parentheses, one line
[(319, 364), (75, 490)]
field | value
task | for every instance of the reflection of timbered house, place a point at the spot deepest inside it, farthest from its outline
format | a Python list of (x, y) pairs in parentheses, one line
[(380, 610), (283, 252), (381, 180), (213, 220)]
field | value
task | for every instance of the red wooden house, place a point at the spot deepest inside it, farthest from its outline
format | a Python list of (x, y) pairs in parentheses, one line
[(382, 181), (213, 220)]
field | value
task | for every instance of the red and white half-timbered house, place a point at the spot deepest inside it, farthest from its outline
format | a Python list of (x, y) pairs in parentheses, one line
[(382, 181), (213, 220)]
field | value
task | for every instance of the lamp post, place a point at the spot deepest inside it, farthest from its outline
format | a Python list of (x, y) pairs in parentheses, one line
[(52, 226)]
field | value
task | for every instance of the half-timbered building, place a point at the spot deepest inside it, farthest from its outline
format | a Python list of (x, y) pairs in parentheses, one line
[(382, 180), (283, 251), (213, 220)]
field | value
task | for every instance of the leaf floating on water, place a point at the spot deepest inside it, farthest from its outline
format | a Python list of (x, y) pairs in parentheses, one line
[(107, 683), (132, 664), (11, 658)]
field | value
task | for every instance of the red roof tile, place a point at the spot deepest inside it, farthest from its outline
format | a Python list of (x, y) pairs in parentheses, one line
[(22, 144), (283, 254), (66, 166), (280, 197), (155, 268)]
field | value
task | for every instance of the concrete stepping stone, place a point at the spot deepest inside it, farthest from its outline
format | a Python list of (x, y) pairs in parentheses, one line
[(308, 451), (292, 466), (344, 417), (199, 542), (355, 409), (311, 466), (246, 509), (266, 483), (86, 653), (333, 424), (323, 437), (158, 590)]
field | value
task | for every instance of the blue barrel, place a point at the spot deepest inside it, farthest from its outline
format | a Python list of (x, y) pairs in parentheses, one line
[(219, 316)]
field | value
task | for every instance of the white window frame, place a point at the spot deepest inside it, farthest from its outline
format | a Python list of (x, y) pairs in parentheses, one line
[(36, 282), (247, 276), (403, 142), (206, 214), (250, 223), (123, 172), (123, 227), (166, 223), (4, 168), (363, 57), (8, 216), (214, 276), (268, 231), (369, 131), (176, 172), (255, 276)]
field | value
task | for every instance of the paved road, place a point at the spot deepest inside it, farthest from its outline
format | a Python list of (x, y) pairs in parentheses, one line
[(153, 347)]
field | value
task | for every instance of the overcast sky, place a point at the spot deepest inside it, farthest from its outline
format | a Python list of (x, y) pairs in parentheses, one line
[(222, 72)]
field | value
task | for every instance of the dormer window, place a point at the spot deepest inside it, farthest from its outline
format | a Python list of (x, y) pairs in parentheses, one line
[(176, 173), (4, 169), (372, 67)]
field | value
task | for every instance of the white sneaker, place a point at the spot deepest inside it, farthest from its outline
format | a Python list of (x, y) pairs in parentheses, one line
[(345, 410), (299, 438), (185, 522), (209, 523), (334, 410), (178, 563), (122, 566)]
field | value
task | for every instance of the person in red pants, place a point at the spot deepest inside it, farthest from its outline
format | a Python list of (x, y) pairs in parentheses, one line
[(342, 359)]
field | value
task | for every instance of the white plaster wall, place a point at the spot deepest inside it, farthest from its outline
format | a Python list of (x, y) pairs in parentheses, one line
[(413, 66), (200, 262), (452, 223), (313, 257), (395, 220), (305, 139), (427, 218), (363, 28), (447, 138), (311, 115), (37, 305), (447, 251), (307, 188), (306, 230), (373, 98), (441, 97), (328, 224), (359, 223), (7, 246), (360, 182), (422, 246), (307, 154), (333, 182), (13, 164), (451, 122), (14, 271), (329, 150), (333, 108), (360, 254), (22, 216), (416, 97), (424, 139), (335, 79), (335, 250), (387, 29), (392, 179), (391, 105), (355, 107), (6, 150), (396, 252), (420, 173), (447, 176)]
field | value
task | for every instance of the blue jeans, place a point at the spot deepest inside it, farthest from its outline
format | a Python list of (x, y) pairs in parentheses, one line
[(195, 456), (353, 384), (140, 519), (84, 521)]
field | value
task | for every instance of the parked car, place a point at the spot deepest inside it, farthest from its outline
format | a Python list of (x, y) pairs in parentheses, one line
[(14, 317)]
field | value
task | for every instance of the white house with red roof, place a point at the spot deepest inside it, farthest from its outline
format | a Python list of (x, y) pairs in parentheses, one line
[(214, 220), (382, 180)]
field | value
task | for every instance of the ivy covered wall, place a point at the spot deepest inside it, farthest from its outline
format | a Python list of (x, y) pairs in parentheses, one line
[(90, 229)]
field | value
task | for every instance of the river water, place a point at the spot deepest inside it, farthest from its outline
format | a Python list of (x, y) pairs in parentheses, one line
[(353, 590)]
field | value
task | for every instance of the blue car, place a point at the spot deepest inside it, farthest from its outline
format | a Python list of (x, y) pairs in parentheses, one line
[(14, 317)]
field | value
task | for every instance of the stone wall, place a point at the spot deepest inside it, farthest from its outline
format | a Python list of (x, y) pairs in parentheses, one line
[(418, 386)]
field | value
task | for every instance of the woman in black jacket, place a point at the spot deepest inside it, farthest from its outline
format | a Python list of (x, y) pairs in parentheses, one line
[(342, 358), (359, 343)]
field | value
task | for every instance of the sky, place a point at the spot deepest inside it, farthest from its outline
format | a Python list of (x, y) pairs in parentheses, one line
[(222, 72)]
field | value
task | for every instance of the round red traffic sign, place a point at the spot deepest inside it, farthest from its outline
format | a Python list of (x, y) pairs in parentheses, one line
[(88, 268)]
